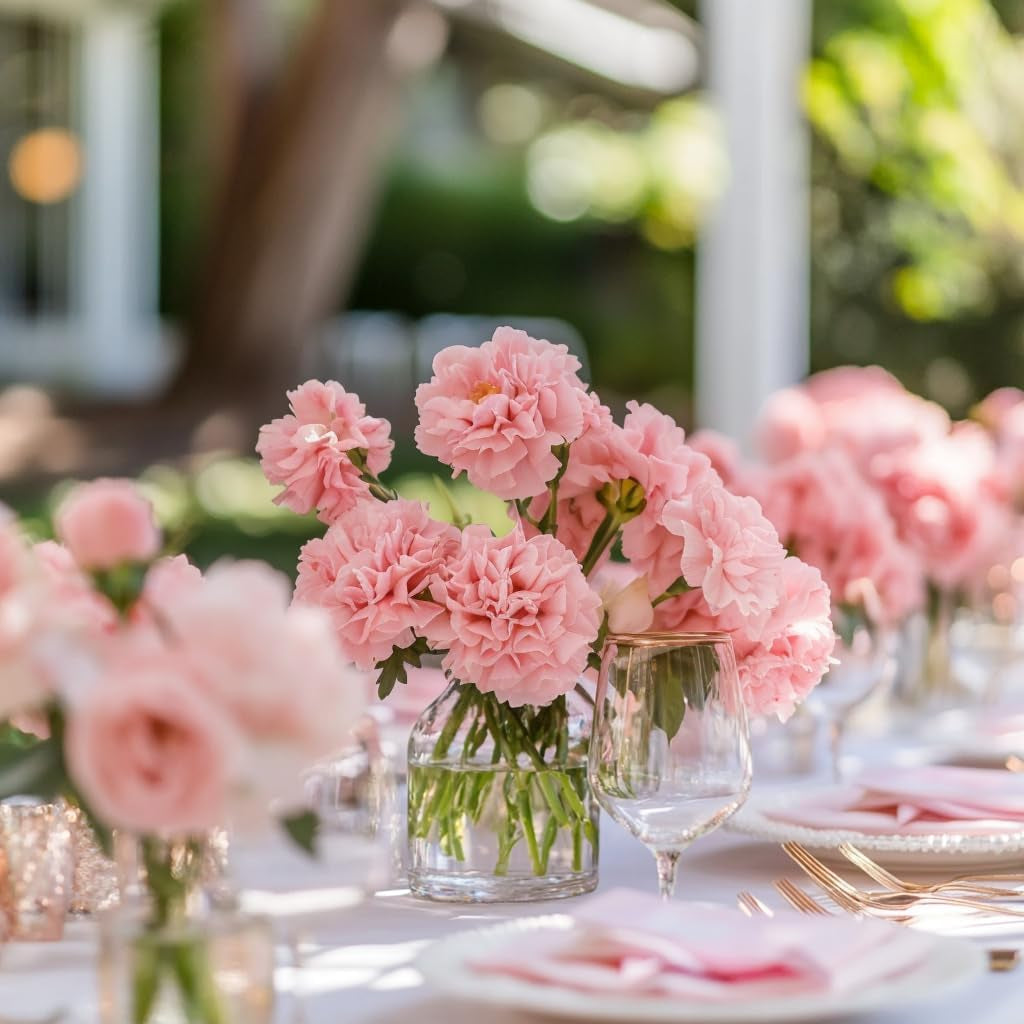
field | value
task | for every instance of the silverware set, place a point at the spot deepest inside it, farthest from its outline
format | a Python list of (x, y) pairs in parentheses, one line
[(898, 898)]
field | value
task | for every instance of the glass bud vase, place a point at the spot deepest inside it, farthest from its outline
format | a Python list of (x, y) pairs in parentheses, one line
[(169, 954), (500, 808)]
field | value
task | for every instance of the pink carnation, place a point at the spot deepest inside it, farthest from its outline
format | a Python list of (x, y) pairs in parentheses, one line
[(830, 516), (373, 572), (946, 502), (995, 408), (730, 551), (107, 523), (789, 423), (308, 452), (780, 661), (863, 410), (667, 468), (723, 452), (521, 619), (496, 411), (150, 752)]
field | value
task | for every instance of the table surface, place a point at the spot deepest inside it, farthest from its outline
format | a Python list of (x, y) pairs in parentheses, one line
[(346, 959)]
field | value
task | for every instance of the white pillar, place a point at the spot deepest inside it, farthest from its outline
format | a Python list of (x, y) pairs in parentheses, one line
[(116, 257), (753, 258)]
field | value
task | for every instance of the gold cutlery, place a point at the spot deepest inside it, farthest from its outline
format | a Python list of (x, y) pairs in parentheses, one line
[(845, 893), (964, 883), (751, 905), (798, 899), (999, 960)]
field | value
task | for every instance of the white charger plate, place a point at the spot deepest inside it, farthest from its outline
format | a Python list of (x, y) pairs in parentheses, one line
[(945, 964), (939, 852)]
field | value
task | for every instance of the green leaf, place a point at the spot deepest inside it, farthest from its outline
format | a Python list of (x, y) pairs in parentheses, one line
[(393, 668), (31, 771), (302, 828), (669, 705)]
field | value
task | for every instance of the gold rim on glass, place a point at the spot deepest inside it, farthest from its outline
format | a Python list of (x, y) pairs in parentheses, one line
[(664, 639)]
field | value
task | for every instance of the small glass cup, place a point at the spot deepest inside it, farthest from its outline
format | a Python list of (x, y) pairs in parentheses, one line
[(36, 890)]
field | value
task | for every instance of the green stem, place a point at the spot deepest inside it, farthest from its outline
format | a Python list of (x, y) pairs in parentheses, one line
[(451, 727), (603, 538)]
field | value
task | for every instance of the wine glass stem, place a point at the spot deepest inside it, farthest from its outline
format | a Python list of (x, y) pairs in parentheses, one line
[(667, 861), (835, 743)]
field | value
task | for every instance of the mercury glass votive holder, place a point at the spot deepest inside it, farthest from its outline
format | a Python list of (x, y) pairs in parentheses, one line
[(36, 892)]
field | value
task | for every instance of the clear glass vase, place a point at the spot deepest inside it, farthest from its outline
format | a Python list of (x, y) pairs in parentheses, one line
[(171, 955), (500, 809)]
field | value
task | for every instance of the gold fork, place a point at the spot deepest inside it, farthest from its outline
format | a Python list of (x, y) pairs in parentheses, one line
[(752, 906), (963, 883), (798, 899), (835, 885)]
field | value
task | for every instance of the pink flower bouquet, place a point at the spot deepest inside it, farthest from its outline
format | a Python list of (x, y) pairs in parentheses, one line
[(166, 703), (517, 620)]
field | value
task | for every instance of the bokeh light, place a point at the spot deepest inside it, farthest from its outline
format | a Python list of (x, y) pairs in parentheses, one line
[(45, 166)]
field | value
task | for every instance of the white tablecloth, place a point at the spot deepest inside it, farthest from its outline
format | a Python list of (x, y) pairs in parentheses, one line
[(356, 958)]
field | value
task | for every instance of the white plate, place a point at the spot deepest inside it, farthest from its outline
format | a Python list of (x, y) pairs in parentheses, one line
[(939, 852), (945, 964)]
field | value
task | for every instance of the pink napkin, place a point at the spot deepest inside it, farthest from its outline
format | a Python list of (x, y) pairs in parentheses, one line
[(926, 800), (630, 943)]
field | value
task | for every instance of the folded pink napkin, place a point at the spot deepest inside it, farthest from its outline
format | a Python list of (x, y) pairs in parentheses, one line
[(926, 800), (630, 943)]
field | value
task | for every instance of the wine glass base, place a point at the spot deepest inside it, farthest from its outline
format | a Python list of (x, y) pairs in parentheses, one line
[(484, 888)]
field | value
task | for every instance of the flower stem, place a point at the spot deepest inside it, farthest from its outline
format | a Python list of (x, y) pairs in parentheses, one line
[(604, 536)]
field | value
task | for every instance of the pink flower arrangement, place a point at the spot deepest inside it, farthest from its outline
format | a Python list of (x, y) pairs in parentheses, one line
[(515, 616), (521, 617), (496, 412), (863, 410), (326, 453), (107, 523), (176, 695)]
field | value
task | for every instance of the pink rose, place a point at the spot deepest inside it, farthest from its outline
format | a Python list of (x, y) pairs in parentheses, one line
[(107, 523), (23, 686), (72, 600), (521, 617), (309, 451), (150, 753), (729, 550), (275, 670), (169, 582), (373, 573), (667, 468), (495, 412)]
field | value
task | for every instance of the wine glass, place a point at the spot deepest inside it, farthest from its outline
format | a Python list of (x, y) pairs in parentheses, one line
[(864, 664), (670, 749)]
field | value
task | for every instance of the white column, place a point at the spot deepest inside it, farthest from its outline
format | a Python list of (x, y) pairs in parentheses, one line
[(115, 249), (753, 259)]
